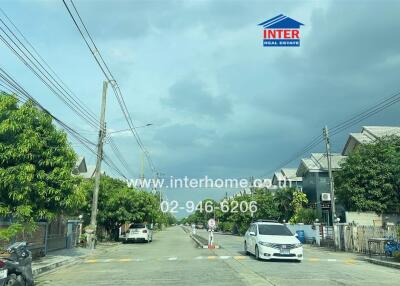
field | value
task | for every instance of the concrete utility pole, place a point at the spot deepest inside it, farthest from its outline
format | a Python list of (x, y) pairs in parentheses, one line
[(331, 182), (102, 133)]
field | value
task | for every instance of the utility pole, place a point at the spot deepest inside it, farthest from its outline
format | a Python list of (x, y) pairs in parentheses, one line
[(331, 183), (102, 133)]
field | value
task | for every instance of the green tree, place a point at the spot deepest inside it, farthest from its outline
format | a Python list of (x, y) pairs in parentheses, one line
[(369, 179), (283, 199), (118, 204), (36, 162), (297, 205)]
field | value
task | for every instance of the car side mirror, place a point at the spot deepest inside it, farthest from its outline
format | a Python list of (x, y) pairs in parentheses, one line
[(296, 235), (252, 233)]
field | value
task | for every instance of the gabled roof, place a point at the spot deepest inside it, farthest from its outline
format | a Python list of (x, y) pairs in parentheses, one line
[(286, 174), (281, 22), (89, 173), (80, 166), (318, 163), (368, 135)]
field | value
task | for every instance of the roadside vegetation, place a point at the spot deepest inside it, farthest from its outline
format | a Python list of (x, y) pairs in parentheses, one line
[(370, 178), (37, 184), (287, 204)]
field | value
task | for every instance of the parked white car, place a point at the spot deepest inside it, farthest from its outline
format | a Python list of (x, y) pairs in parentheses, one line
[(138, 232), (271, 240)]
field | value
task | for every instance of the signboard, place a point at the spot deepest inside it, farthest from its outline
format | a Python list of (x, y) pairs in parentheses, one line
[(211, 223)]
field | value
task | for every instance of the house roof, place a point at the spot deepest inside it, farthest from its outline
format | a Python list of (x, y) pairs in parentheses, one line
[(286, 174), (368, 135), (281, 22), (318, 162), (89, 173), (80, 166)]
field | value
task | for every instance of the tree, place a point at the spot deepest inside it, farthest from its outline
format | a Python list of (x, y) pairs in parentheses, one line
[(36, 163), (283, 199), (297, 205), (119, 204), (369, 179)]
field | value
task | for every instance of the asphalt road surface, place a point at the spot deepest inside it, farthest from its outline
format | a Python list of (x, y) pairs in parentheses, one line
[(173, 259)]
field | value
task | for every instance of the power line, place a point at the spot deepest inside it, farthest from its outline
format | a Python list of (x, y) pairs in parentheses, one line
[(22, 95), (57, 87), (109, 76), (353, 120)]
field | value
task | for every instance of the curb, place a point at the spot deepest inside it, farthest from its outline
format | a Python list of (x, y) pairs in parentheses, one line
[(383, 263), (70, 261), (197, 241), (200, 244), (38, 271)]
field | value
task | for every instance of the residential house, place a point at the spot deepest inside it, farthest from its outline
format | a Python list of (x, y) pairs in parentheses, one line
[(314, 171), (80, 166), (287, 177), (367, 135)]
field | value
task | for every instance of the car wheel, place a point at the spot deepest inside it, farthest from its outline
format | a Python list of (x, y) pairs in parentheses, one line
[(245, 248), (257, 253)]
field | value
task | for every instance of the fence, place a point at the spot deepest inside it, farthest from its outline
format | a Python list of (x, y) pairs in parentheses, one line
[(56, 235), (355, 238)]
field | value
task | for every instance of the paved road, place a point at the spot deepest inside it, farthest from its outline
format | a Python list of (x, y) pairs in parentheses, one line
[(173, 259), (320, 267)]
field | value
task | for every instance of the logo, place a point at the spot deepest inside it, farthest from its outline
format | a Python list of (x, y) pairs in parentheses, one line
[(281, 31)]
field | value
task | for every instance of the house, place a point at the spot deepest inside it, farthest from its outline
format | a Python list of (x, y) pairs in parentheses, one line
[(368, 135), (80, 166), (314, 171), (89, 172), (287, 177), (83, 170)]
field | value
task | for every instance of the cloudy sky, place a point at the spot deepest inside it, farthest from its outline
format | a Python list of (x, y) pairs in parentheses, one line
[(222, 105)]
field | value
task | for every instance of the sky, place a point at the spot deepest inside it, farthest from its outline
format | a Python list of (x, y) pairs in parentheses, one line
[(221, 104)]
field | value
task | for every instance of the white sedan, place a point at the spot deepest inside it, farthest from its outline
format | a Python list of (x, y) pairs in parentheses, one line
[(271, 240)]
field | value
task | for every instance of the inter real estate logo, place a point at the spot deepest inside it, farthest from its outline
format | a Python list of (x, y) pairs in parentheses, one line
[(281, 31)]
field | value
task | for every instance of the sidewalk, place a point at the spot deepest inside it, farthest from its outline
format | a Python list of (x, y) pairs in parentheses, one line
[(388, 262), (58, 258)]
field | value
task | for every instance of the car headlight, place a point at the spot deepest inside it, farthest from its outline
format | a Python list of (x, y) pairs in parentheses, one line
[(267, 244), (297, 245)]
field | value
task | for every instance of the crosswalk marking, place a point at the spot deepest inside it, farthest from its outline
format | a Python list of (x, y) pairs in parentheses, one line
[(173, 258), (214, 257)]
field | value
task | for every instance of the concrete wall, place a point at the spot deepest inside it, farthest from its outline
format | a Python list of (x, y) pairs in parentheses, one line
[(371, 218), (309, 232)]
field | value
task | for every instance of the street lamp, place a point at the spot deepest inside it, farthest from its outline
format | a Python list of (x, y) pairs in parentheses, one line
[(123, 130)]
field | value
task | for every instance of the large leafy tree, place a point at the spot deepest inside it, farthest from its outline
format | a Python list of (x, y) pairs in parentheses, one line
[(370, 178), (119, 204), (283, 199), (36, 162)]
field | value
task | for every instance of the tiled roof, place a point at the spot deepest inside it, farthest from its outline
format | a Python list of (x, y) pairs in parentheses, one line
[(318, 162), (367, 135)]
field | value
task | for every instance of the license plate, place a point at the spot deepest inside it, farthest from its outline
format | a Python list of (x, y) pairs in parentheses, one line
[(3, 273), (285, 251)]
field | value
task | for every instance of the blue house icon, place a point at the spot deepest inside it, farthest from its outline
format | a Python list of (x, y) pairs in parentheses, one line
[(281, 22)]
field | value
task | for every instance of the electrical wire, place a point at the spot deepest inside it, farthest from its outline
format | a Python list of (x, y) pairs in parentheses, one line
[(109, 76)]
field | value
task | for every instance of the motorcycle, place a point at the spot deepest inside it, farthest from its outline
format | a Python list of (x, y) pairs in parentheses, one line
[(16, 269), (392, 247)]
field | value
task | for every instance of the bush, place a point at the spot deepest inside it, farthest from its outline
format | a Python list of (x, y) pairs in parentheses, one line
[(396, 256)]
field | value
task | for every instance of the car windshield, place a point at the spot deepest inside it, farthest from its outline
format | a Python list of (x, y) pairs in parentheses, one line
[(266, 229), (137, 225)]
